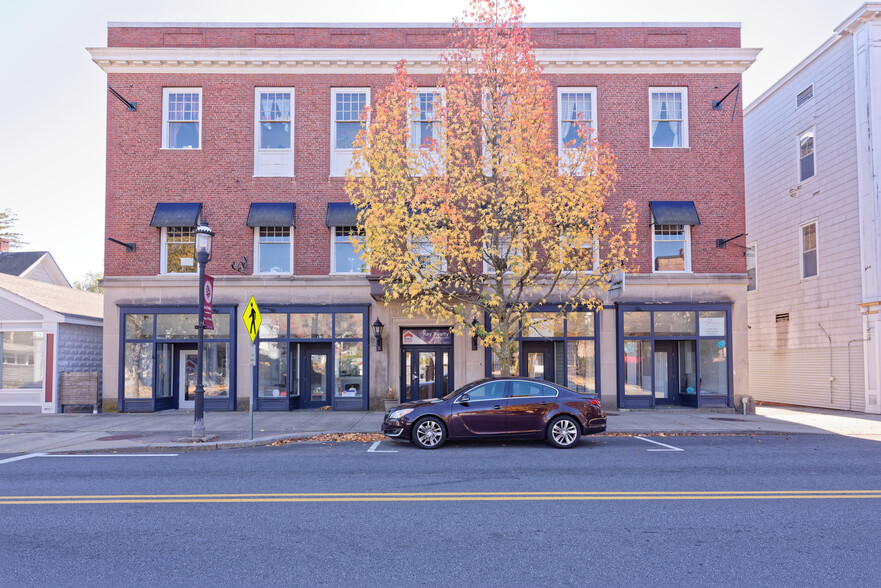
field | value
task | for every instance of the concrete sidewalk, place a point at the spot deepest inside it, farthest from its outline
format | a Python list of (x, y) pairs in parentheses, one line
[(38, 433)]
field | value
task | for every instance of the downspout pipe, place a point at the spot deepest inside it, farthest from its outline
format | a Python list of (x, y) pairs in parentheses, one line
[(831, 378)]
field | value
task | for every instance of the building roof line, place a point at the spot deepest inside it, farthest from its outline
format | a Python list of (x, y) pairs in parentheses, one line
[(419, 25)]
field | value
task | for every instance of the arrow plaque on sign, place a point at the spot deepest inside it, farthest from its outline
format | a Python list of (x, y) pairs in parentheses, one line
[(252, 319)]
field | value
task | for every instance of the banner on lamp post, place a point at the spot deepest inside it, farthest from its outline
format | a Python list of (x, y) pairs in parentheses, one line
[(207, 318)]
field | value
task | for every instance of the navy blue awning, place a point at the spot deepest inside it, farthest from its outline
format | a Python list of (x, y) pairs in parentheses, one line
[(680, 212), (271, 214), (341, 214), (176, 214)]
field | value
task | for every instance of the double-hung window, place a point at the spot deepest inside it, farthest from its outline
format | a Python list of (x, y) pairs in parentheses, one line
[(344, 259), (273, 132), (425, 125), (427, 255), (671, 248), (274, 250), (178, 255), (580, 257), (347, 107), (806, 155), (182, 118), (809, 262), (669, 117), (576, 107)]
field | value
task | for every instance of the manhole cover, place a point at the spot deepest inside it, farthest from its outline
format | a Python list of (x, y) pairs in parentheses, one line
[(733, 420), (117, 437)]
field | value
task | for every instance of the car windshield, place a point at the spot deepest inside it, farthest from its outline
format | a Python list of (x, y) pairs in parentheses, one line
[(465, 388)]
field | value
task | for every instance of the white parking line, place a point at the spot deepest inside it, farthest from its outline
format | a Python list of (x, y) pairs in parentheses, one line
[(30, 455), (373, 448), (669, 447)]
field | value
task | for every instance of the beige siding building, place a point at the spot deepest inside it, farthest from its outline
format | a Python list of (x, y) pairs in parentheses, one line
[(812, 210)]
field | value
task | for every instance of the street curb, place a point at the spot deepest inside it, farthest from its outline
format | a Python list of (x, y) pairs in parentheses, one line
[(265, 441)]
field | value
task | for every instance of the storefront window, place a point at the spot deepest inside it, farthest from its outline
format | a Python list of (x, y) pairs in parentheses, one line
[(183, 326), (349, 372), (582, 366), (687, 368), (138, 370), (544, 325), (714, 366), (712, 323), (638, 324), (497, 367), (313, 325), (638, 368), (21, 360), (139, 326), (214, 369), (580, 324), (273, 370), (348, 325), (274, 326), (678, 322)]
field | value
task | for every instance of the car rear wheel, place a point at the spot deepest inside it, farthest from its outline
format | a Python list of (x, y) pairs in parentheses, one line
[(564, 432), (429, 433)]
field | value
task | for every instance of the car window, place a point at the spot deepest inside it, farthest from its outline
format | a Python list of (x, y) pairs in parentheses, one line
[(530, 389), (491, 391)]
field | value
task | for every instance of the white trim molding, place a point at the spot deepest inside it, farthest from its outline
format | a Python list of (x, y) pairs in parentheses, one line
[(383, 61)]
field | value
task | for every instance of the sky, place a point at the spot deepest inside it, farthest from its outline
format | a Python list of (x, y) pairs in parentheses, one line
[(52, 107)]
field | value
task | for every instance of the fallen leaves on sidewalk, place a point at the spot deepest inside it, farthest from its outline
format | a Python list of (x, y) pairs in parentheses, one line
[(331, 438)]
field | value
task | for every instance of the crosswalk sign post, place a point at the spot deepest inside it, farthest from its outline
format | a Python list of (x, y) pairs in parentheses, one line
[(252, 320)]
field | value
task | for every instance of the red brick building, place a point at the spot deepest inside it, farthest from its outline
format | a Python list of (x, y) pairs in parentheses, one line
[(248, 125)]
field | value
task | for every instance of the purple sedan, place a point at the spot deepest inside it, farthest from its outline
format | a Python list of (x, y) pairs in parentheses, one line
[(521, 408)]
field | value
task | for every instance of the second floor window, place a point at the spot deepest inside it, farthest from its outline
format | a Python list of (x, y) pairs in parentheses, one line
[(178, 250), (274, 250), (809, 265), (669, 117), (671, 248), (425, 126), (343, 257), (806, 155), (182, 118), (273, 153), (576, 106)]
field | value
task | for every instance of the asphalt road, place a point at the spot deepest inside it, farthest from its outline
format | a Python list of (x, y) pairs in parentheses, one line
[(620, 511)]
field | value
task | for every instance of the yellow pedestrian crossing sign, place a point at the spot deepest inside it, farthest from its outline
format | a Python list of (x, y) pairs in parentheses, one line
[(252, 319)]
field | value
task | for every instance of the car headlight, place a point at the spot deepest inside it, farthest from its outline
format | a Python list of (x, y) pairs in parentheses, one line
[(395, 415)]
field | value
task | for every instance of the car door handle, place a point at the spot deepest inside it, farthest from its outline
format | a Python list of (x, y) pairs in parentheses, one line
[(544, 403), (497, 406)]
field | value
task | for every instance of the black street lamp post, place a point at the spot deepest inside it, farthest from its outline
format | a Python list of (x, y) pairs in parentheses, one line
[(204, 236)]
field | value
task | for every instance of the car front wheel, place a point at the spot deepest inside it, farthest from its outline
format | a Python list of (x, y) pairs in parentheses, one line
[(564, 432), (429, 433)]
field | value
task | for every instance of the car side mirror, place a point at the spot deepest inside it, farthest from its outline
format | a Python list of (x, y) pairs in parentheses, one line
[(464, 398)]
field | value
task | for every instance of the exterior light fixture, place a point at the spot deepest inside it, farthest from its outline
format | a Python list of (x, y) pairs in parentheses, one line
[(204, 239), (377, 332), (475, 324)]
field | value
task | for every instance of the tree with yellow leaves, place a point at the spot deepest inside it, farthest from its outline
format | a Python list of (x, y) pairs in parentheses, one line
[(467, 206)]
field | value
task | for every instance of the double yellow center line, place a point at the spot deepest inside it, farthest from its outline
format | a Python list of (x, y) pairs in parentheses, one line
[(437, 497)]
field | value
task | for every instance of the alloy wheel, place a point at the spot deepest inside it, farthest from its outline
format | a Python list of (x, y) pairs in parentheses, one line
[(429, 433), (564, 432)]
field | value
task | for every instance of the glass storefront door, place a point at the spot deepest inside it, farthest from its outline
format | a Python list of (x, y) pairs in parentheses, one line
[(666, 374), (187, 379), (314, 379), (425, 372)]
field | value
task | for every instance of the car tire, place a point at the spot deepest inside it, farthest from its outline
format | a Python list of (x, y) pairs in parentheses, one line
[(429, 433), (564, 432)]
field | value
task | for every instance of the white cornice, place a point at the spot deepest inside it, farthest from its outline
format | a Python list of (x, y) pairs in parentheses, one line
[(382, 61), (866, 12)]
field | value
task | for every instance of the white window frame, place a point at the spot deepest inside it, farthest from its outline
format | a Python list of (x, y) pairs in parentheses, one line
[(340, 159), (687, 236), (257, 272), (684, 131), (260, 155), (596, 252), (755, 249), (163, 255), (593, 113), (165, 121), (425, 248), (798, 157), (433, 156), (801, 248), (333, 271)]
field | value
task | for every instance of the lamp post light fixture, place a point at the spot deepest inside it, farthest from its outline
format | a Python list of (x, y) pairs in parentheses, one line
[(204, 238), (377, 332), (475, 324)]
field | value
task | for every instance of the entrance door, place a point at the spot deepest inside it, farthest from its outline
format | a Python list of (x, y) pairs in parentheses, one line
[(425, 372), (666, 373), (315, 376), (538, 360), (186, 388)]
